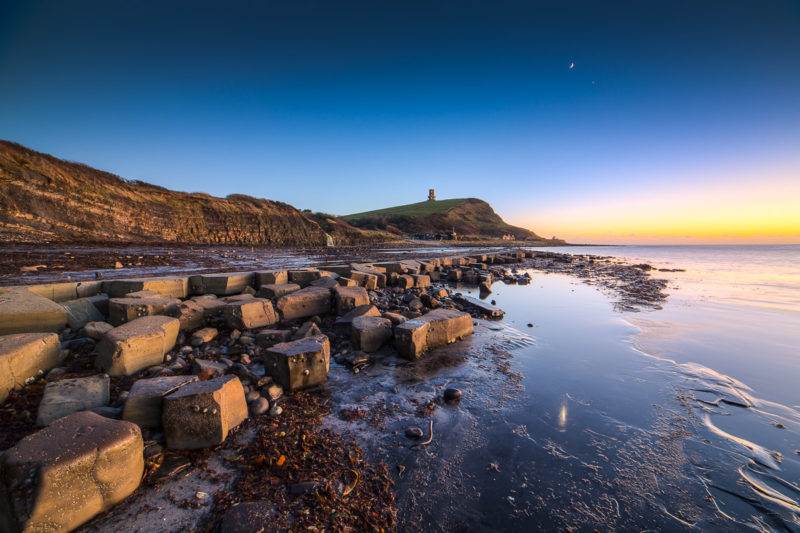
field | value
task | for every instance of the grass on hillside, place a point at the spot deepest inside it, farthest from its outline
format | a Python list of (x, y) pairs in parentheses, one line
[(421, 209)]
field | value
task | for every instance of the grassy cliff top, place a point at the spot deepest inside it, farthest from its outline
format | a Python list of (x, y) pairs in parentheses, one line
[(420, 209)]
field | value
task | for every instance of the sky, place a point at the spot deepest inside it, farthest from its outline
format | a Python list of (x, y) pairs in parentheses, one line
[(598, 122)]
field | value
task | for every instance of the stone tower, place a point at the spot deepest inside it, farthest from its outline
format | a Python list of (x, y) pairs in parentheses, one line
[(431, 195)]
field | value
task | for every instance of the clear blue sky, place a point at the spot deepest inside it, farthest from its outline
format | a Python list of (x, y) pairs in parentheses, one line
[(345, 107)]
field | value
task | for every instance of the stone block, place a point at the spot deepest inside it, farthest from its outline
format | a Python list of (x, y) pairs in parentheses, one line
[(273, 290), (143, 294), (271, 337), (208, 369), (61, 292), (248, 314), (97, 330), (305, 277), (202, 413), (80, 312), (364, 279), (405, 281), (173, 287), (421, 280), (67, 396), (328, 282), (370, 333), (143, 405), (203, 336), (348, 298), (454, 275), (305, 302), (123, 310), (136, 345), (63, 475), (484, 308), (223, 284), (274, 277), (308, 329), (346, 282), (381, 275), (22, 311), (299, 364), (394, 318), (23, 356), (434, 329), (193, 314)]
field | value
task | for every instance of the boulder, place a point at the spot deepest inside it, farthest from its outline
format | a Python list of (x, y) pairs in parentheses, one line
[(63, 475), (122, 310), (275, 277), (221, 284), (431, 330), (67, 396), (305, 277), (143, 404), (80, 312), (305, 302), (271, 337), (348, 298), (299, 364), (165, 287), (22, 311), (200, 414), (136, 345), (273, 290), (24, 356), (203, 336), (248, 314), (370, 333)]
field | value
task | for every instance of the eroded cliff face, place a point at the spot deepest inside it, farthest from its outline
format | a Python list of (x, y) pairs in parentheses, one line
[(45, 199)]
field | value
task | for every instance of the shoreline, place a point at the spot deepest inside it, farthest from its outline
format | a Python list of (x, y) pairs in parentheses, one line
[(221, 479)]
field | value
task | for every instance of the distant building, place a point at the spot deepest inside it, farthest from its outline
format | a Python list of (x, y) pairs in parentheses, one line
[(431, 195)]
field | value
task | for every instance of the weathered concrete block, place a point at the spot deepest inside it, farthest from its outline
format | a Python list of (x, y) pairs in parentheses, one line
[(22, 311), (143, 405), (394, 318), (348, 298), (327, 281), (97, 330), (200, 414), (371, 332), (484, 308), (346, 282), (222, 284), (305, 302), (68, 472), (248, 314), (67, 396), (405, 281), (305, 277), (173, 287), (308, 329), (368, 281), (299, 364), (193, 314), (273, 290), (421, 280), (381, 275), (143, 294), (208, 369), (136, 345), (275, 277), (80, 312), (203, 336), (61, 292), (271, 337), (454, 275), (434, 329), (23, 356), (123, 310)]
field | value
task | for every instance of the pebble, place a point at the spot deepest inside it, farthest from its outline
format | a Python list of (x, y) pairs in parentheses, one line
[(245, 341), (413, 432), (276, 411), (252, 396), (259, 406), (452, 395), (530, 325)]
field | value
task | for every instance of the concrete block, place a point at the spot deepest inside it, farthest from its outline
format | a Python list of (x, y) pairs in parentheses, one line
[(274, 277), (143, 405), (80, 312), (67, 396), (24, 356), (273, 290), (434, 329), (305, 302), (299, 364), (22, 311), (171, 287), (305, 277), (136, 345), (348, 298), (248, 314), (364, 279), (370, 333), (270, 337), (123, 310), (222, 284)]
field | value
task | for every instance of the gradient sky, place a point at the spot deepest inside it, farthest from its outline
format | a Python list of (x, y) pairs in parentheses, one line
[(680, 121)]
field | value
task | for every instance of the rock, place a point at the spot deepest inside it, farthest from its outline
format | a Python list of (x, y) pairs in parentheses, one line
[(270, 337), (246, 340), (122, 310), (203, 336), (200, 414), (273, 392), (530, 325), (250, 517), (208, 369), (434, 329), (24, 356), (273, 290), (395, 318), (252, 313), (304, 277), (452, 395), (415, 304), (299, 364), (413, 432), (363, 279), (22, 311), (143, 404), (482, 307), (305, 302), (174, 287), (118, 265), (67, 396), (259, 406), (362, 310), (97, 330), (308, 329), (485, 288), (275, 277), (370, 333), (221, 284), (55, 373), (80, 312), (137, 345), (63, 475), (276, 410), (348, 298)]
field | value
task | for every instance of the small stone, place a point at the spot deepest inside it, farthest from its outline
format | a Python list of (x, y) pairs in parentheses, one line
[(413, 432), (452, 395), (530, 325), (252, 396), (275, 411), (259, 406), (117, 265)]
